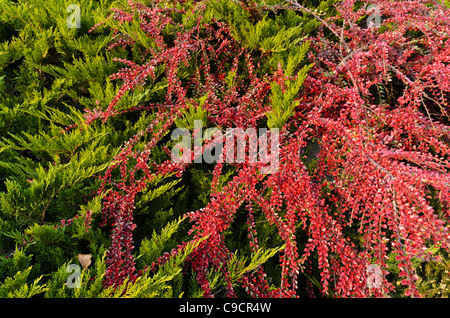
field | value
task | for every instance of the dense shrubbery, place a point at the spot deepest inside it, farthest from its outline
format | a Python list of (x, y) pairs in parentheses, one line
[(359, 203)]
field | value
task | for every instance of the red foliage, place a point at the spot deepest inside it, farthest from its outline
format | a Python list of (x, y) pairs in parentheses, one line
[(380, 156)]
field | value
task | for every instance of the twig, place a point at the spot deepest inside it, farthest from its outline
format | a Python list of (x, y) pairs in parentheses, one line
[(304, 9)]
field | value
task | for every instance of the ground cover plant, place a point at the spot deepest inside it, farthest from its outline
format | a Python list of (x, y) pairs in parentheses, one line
[(353, 96)]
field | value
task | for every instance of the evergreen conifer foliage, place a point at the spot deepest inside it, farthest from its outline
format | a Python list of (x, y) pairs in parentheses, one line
[(51, 156)]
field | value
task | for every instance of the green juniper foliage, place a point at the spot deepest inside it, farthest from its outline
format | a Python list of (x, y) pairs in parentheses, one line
[(50, 74)]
